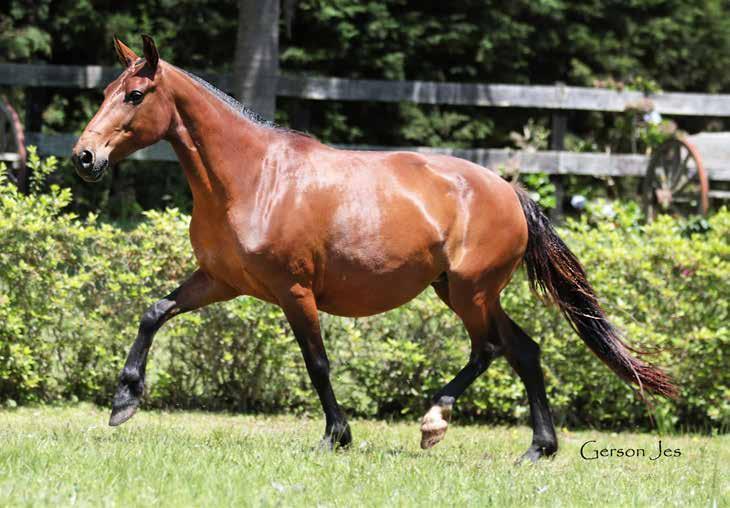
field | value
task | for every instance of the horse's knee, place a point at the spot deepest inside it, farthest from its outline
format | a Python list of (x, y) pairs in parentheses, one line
[(480, 363), (319, 369)]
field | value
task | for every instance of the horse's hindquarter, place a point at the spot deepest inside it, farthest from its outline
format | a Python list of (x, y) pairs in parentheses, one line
[(490, 233)]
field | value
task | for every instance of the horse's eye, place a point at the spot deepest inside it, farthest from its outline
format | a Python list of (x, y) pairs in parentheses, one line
[(135, 97)]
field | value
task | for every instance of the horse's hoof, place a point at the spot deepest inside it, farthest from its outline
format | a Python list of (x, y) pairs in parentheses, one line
[(122, 414), (125, 403), (338, 436), (534, 453), (434, 425), (343, 436), (325, 445)]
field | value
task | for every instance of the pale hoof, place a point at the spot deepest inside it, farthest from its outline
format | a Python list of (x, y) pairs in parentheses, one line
[(434, 425)]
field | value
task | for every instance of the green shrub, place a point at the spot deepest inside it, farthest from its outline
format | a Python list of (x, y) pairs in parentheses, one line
[(72, 291)]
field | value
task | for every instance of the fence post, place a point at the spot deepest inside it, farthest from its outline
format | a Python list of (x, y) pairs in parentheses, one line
[(301, 114), (557, 144)]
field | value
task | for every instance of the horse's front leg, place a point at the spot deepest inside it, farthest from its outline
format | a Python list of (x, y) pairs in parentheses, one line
[(300, 308), (197, 291)]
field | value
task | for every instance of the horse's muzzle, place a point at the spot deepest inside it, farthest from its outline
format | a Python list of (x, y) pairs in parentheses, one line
[(88, 166)]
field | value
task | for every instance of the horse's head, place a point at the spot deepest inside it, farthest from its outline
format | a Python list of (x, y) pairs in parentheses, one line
[(137, 112)]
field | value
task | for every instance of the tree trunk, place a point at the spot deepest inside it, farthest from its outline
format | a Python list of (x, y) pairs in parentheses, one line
[(256, 65)]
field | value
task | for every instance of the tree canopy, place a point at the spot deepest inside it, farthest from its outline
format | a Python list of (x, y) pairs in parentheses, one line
[(681, 44), (678, 45)]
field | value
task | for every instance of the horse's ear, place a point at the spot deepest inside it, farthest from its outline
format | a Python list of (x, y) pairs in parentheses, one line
[(126, 56), (150, 52)]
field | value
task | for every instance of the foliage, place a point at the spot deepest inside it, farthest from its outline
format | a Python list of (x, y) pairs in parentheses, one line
[(574, 143), (542, 190), (72, 291), (644, 45), (640, 42), (437, 127), (191, 32), (535, 136), (652, 135)]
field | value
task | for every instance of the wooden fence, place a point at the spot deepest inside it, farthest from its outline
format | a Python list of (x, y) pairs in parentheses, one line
[(550, 162), (556, 98)]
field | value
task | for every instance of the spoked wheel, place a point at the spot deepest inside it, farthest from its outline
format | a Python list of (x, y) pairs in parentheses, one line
[(676, 181), (12, 144)]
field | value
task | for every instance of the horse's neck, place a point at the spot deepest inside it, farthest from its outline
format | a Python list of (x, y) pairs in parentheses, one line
[(219, 149)]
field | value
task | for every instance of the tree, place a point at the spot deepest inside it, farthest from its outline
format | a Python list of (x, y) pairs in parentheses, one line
[(256, 64)]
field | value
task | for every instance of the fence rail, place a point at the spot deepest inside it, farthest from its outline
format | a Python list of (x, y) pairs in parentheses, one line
[(556, 97), (550, 162)]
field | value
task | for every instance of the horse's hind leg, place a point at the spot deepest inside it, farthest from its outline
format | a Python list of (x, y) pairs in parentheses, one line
[(523, 354), (484, 349), (436, 420)]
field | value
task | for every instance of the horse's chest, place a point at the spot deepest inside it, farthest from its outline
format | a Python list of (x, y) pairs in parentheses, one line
[(214, 247), (219, 253), (207, 235)]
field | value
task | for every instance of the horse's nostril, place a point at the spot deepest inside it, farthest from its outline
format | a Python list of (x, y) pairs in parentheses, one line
[(86, 158)]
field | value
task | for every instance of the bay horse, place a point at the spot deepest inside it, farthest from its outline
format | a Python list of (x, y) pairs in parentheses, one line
[(279, 216)]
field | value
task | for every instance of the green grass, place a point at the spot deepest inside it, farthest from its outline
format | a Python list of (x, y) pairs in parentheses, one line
[(68, 456)]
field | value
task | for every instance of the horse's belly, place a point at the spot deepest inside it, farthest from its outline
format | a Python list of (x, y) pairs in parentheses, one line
[(372, 268), (353, 292)]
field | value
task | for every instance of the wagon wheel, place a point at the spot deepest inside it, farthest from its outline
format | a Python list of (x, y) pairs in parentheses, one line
[(676, 181), (12, 143)]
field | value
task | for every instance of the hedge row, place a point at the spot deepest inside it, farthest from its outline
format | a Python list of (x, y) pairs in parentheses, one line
[(72, 291)]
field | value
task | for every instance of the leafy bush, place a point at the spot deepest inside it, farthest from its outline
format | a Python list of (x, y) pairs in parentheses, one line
[(72, 291)]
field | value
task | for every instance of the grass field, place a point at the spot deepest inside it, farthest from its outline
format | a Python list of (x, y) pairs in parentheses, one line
[(68, 456)]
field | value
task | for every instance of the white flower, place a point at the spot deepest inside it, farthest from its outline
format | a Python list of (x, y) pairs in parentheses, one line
[(608, 211), (578, 202), (653, 117)]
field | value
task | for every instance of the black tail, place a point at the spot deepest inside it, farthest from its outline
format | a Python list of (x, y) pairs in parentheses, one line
[(556, 273)]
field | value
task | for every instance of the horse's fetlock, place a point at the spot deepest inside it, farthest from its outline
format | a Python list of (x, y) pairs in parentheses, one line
[(149, 322), (481, 363), (546, 446), (339, 432), (446, 402)]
